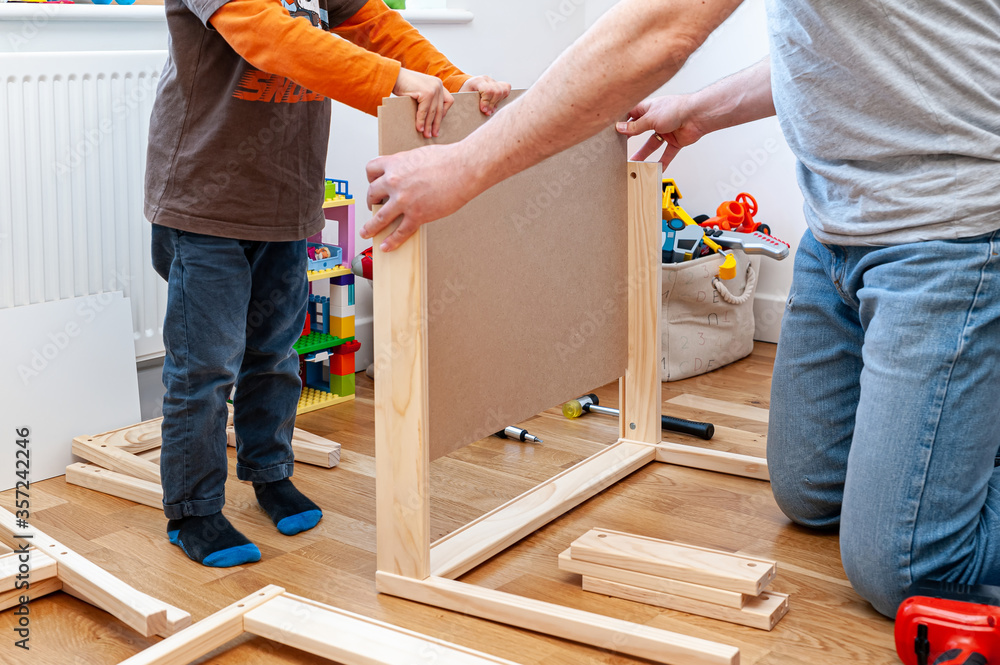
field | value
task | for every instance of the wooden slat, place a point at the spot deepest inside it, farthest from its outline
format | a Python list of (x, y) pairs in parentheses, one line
[(721, 406), (713, 460), (762, 612), (402, 452), (585, 627), (352, 639), (206, 635), (697, 565), (467, 547), (91, 583), (117, 484), (40, 567), (44, 587), (640, 387), (115, 459), (306, 447), (652, 582)]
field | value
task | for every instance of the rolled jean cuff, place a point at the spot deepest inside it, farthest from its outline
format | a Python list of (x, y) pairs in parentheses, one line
[(268, 475), (198, 508)]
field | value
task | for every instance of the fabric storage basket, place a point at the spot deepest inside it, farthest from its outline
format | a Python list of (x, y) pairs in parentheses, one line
[(706, 323)]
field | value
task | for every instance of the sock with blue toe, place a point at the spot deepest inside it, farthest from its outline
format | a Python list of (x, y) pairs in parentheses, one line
[(212, 541), (290, 510)]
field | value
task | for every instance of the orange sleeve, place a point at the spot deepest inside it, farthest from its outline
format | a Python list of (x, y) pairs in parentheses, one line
[(270, 39), (377, 28)]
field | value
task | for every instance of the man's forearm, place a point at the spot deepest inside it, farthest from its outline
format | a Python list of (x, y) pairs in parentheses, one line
[(636, 47), (743, 97)]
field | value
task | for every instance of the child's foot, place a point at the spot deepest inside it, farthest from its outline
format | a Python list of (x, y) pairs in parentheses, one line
[(290, 510), (212, 541)]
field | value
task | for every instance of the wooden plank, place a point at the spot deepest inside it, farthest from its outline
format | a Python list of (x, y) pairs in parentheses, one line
[(762, 612), (721, 406), (206, 635), (4, 549), (91, 583), (307, 448), (136, 438), (402, 452), (467, 547), (719, 461), (38, 567), (688, 563), (640, 386), (44, 587), (503, 304), (352, 639), (115, 459), (117, 484), (585, 627), (652, 582)]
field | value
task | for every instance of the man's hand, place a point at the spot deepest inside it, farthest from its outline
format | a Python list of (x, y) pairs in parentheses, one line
[(672, 123), (490, 92), (433, 101), (417, 186)]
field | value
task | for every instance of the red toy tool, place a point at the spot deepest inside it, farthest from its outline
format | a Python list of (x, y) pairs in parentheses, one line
[(949, 624)]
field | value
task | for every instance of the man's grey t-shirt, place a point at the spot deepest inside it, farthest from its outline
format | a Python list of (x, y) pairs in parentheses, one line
[(234, 151), (893, 110)]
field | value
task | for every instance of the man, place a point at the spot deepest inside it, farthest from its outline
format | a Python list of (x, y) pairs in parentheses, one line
[(882, 420)]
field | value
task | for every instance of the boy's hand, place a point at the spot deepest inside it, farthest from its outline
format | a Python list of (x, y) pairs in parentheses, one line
[(433, 101), (672, 123), (490, 92)]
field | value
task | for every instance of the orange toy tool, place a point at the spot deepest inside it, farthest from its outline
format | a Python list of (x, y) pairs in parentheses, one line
[(737, 216)]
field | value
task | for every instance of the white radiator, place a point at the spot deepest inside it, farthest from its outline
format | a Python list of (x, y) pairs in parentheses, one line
[(73, 130)]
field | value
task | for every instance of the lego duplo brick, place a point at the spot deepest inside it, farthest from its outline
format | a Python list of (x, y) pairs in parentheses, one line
[(342, 385), (524, 290), (342, 364), (342, 327), (342, 311), (340, 296)]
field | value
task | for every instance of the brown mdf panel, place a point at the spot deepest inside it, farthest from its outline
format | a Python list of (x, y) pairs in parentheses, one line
[(526, 299)]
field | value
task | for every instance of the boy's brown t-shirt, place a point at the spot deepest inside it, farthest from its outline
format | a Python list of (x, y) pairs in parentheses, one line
[(234, 151)]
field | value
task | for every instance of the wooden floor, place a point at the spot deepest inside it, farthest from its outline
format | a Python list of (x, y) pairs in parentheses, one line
[(335, 563)]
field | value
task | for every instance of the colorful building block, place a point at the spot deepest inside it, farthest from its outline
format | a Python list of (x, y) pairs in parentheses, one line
[(340, 296), (342, 385), (319, 314), (342, 327), (342, 312), (342, 361)]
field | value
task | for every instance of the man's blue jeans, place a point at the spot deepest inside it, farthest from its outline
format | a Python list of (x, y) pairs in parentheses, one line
[(234, 310), (885, 410)]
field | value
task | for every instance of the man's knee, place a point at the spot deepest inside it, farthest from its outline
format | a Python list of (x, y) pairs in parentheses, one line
[(803, 502), (876, 569)]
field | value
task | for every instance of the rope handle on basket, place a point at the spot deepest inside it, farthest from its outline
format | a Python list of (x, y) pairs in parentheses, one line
[(747, 290)]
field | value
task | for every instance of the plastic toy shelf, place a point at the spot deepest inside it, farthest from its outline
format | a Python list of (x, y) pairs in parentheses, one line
[(318, 342), (315, 275)]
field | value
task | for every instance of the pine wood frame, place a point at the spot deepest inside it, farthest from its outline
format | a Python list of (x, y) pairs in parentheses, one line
[(410, 566), (125, 461), (328, 632), (55, 567)]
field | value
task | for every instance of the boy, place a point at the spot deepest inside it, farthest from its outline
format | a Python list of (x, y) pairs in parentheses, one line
[(234, 185)]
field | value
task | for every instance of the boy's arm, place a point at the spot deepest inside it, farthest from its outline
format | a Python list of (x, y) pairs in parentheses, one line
[(267, 37), (377, 28)]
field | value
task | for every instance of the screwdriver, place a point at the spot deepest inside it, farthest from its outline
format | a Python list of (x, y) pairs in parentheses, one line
[(519, 434)]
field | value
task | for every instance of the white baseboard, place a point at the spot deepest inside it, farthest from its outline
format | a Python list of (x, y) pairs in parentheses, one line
[(768, 310)]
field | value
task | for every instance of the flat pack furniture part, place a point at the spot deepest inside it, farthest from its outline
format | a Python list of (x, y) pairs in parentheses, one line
[(763, 611), (682, 589), (89, 582), (328, 632), (688, 563), (412, 311), (125, 461)]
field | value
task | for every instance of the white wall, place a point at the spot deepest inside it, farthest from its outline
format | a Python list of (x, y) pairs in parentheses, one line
[(752, 158)]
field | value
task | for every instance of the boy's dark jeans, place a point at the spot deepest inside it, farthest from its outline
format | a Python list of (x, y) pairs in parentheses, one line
[(234, 310)]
